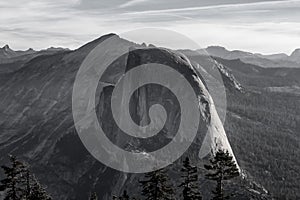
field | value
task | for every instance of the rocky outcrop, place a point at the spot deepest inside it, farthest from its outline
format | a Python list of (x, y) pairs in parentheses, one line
[(36, 120)]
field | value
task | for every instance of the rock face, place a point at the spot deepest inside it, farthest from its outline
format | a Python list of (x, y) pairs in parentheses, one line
[(36, 120)]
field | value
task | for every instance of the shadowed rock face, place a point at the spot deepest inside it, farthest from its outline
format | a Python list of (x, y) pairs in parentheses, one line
[(36, 121)]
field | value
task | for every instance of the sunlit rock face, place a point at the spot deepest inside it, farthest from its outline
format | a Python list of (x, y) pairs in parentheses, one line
[(150, 94), (36, 119)]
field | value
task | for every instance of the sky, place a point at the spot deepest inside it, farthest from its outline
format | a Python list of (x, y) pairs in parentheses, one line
[(260, 26)]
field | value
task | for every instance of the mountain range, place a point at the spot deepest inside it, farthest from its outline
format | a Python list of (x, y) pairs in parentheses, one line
[(262, 117), (267, 61), (11, 60), (279, 60)]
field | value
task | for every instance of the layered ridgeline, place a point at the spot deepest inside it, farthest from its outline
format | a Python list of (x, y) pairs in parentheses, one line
[(11, 60), (36, 120), (267, 61)]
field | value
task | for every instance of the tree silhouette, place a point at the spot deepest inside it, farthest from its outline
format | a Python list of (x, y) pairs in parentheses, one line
[(222, 167), (37, 191), (20, 183), (13, 183), (156, 186), (189, 184)]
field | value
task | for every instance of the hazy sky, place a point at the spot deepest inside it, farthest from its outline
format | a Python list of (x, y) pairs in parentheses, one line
[(266, 26)]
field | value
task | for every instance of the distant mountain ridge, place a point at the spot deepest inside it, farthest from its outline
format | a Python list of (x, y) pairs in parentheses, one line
[(7, 53), (11, 60), (267, 61)]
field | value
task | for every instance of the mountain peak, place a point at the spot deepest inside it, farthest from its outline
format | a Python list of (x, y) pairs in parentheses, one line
[(6, 47), (95, 42), (6, 52), (216, 47), (296, 52), (295, 56)]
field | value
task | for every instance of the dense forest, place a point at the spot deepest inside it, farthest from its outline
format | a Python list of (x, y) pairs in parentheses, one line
[(271, 122)]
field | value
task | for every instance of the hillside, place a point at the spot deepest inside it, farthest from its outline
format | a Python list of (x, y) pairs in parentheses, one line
[(37, 123), (265, 122)]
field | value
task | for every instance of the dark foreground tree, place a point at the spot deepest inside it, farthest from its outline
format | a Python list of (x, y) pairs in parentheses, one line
[(19, 183), (222, 167), (12, 184), (156, 186), (189, 184), (37, 191)]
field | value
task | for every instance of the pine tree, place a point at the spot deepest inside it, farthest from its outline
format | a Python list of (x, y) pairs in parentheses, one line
[(156, 186), (189, 183), (94, 196), (37, 191), (20, 184), (27, 183), (222, 167), (13, 184)]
